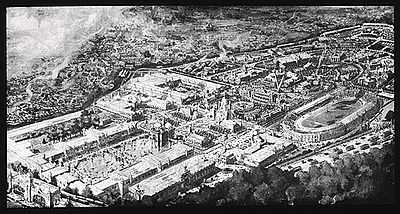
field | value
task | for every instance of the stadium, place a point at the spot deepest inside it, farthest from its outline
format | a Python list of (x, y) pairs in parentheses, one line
[(330, 116)]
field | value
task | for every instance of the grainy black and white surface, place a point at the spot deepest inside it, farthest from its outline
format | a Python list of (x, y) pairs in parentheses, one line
[(179, 105)]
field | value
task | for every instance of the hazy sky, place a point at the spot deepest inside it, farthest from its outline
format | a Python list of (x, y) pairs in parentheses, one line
[(37, 32)]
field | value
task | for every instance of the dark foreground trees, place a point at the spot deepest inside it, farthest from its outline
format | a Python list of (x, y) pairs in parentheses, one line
[(361, 178)]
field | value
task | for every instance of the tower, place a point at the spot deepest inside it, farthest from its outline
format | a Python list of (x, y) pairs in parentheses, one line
[(158, 140), (190, 128), (229, 110), (10, 182), (164, 137), (28, 190), (214, 112)]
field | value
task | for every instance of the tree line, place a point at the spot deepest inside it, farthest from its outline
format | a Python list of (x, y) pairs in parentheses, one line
[(359, 178)]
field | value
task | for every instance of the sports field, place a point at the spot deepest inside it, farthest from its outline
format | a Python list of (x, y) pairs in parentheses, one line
[(331, 114)]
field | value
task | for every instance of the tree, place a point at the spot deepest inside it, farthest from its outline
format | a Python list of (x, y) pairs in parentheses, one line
[(263, 193), (327, 169), (378, 155), (328, 185), (75, 191), (147, 201), (87, 192), (349, 167), (325, 200), (69, 203), (304, 177), (239, 192), (35, 174), (364, 186), (313, 191), (369, 160), (344, 183), (68, 189), (255, 176), (389, 115), (314, 172), (274, 173), (358, 161), (294, 192), (365, 170)]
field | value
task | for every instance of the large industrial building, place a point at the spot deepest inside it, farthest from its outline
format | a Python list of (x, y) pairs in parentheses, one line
[(167, 183)]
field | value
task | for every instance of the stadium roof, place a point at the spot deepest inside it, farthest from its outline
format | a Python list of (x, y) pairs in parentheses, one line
[(310, 104)]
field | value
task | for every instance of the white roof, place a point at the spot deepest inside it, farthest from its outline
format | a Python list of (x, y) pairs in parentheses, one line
[(77, 184), (195, 136), (170, 176), (275, 140), (310, 104), (66, 177), (228, 123), (104, 184), (138, 169), (176, 151), (261, 154), (96, 191), (56, 171), (53, 152)]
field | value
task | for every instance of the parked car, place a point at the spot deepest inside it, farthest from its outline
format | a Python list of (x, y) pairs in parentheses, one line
[(349, 148), (374, 143), (364, 146), (339, 151)]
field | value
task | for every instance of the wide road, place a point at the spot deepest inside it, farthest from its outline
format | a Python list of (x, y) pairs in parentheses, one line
[(322, 149)]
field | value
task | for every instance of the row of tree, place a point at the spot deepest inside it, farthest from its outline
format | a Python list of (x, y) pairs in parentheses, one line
[(360, 178)]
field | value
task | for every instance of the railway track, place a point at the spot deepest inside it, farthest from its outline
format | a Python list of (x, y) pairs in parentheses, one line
[(322, 149)]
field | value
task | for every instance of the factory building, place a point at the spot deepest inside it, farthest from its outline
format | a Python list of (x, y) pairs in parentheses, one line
[(168, 183)]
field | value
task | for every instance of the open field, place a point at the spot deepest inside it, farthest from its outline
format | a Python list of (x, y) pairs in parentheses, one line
[(332, 113)]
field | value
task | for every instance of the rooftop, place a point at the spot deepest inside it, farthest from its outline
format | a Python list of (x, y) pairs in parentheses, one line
[(77, 184), (176, 151), (196, 137), (275, 140), (104, 184), (45, 186), (170, 176), (55, 171), (137, 169), (261, 154), (66, 177)]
